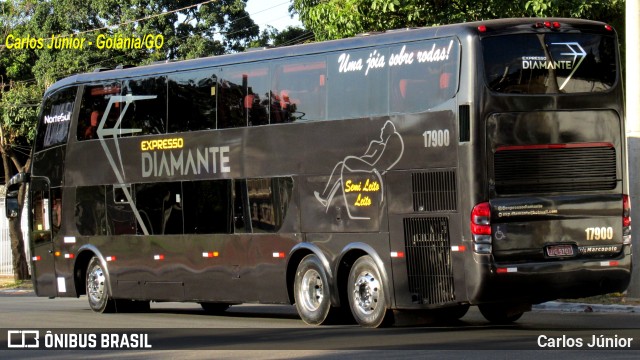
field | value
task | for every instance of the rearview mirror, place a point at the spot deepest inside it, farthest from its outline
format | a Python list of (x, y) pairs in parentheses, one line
[(11, 200), (11, 205)]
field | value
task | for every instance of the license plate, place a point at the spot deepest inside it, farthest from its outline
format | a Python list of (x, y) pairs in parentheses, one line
[(559, 250)]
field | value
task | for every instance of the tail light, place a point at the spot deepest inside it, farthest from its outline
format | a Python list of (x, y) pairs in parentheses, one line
[(481, 228), (547, 24), (626, 219)]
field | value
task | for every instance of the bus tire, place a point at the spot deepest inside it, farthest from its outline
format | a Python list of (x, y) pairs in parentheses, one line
[(214, 308), (98, 291), (501, 313), (366, 293), (311, 291)]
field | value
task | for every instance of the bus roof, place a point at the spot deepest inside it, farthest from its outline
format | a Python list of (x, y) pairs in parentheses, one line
[(365, 40)]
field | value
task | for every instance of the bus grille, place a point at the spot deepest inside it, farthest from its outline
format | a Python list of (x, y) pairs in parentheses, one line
[(434, 191), (555, 170), (428, 259)]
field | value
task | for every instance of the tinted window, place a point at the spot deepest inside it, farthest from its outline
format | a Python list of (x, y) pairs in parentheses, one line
[(192, 100), (95, 102), (298, 90), (261, 205), (422, 74), (120, 215), (244, 96), (549, 63), (56, 116), (207, 207), (91, 211), (145, 109), (356, 93), (160, 207), (41, 211)]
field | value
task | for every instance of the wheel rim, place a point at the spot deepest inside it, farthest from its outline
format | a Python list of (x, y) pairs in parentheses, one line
[(366, 292), (312, 290), (95, 284)]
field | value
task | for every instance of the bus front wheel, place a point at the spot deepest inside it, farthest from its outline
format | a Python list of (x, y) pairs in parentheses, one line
[(311, 291), (366, 294), (98, 288)]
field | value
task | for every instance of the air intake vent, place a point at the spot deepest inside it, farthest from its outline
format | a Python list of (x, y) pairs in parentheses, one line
[(535, 169), (428, 255), (434, 191)]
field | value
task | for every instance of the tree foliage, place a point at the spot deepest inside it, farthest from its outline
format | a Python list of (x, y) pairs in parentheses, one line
[(211, 27), (334, 19)]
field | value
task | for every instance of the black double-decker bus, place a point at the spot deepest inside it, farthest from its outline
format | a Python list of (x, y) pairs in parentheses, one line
[(420, 169)]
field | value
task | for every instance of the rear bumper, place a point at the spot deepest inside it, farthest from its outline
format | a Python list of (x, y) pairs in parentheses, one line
[(544, 281)]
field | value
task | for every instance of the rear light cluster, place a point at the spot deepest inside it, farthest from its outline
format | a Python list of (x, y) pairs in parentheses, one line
[(481, 228), (626, 220)]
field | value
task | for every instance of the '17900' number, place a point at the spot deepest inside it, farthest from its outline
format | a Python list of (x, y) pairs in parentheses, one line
[(436, 138), (599, 233)]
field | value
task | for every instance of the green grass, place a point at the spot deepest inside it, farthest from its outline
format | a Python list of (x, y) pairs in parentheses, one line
[(8, 283)]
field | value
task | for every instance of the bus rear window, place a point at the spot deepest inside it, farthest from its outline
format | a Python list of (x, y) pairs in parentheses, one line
[(550, 63)]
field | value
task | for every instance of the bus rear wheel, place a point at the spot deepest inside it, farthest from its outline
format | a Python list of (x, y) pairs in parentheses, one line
[(311, 291), (366, 294), (100, 299), (502, 313)]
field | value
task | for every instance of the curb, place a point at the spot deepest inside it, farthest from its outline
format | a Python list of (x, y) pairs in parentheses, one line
[(581, 307)]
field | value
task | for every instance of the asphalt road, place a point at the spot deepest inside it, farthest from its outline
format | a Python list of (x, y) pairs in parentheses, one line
[(180, 330)]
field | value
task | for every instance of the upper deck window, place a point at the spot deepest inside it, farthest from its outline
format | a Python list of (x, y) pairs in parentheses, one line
[(56, 116), (123, 108), (423, 74), (298, 90), (550, 63), (356, 91), (244, 96), (192, 100)]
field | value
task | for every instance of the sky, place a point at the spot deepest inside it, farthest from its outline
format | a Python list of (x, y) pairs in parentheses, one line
[(271, 12)]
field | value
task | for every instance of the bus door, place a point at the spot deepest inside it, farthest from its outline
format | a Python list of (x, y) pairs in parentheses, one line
[(43, 268)]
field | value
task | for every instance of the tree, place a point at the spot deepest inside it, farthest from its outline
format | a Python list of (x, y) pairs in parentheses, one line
[(19, 112), (289, 36), (190, 29), (334, 19)]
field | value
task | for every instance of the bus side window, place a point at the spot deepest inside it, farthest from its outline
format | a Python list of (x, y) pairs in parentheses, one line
[(147, 114), (355, 94), (56, 210), (95, 101), (424, 83), (244, 96), (261, 204), (192, 100), (160, 207), (207, 207), (90, 212), (40, 201), (298, 90), (121, 219)]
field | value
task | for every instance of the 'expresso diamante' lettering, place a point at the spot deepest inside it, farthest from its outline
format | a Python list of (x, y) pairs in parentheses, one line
[(208, 160)]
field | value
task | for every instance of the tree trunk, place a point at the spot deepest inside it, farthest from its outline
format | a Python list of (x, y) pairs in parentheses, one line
[(20, 267)]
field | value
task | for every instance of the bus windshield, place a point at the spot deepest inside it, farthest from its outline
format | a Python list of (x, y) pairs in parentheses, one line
[(550, 63)]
